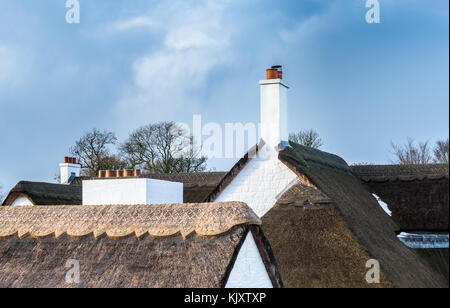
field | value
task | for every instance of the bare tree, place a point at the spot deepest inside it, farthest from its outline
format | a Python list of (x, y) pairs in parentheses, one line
[(412, 154), (93, 152), (309, 138), (441, 150), (162, 148)]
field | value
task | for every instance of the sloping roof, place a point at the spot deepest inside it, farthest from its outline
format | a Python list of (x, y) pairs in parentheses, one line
[(122, 246), (438, 259), (331, 213), (313, 245), (371, 227), (45, 193), (417, 195), (401, 173), (197, 185)]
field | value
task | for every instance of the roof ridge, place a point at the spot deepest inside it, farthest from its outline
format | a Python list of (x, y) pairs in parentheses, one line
[(205, 219)]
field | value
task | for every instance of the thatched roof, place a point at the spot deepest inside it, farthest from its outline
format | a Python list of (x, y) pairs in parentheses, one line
[(438, 259), (313, 244), (197, 186), (401, 173), (325, 228), (123, 246), (356, 212), (45, 193), (417, 195)]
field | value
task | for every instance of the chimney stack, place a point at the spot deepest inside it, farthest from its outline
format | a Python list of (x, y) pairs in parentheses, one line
[(69, 170), (274, 126)]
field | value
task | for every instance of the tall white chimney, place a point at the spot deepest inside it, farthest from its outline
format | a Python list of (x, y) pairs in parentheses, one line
[(274, 126), (69, 170)]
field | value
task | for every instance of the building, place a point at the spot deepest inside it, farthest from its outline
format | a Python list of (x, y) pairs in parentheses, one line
[(172, 245), (294, 217)]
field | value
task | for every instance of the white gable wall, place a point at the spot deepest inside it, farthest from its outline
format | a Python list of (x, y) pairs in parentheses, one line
[(249, 270), (22, 200), (259, 183)]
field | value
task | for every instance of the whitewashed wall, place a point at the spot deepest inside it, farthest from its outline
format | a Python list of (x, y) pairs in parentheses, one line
[(22, 201), (131, 192), (259, 183), (249, 270)]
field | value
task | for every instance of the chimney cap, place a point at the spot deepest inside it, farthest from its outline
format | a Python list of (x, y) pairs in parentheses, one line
[(277, 67)]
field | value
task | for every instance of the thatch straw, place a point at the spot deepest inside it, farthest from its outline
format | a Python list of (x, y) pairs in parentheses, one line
[(119, 221), (417, 195), (124, 246), (127, 262), (371, 226)]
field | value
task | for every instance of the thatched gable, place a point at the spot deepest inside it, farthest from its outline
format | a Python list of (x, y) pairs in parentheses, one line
[(325, 228), (371, 227), (417, 195), (190, 245), (45, 193)]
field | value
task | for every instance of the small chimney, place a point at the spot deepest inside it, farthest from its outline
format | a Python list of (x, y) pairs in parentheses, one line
[(274, 126), (69, 170)]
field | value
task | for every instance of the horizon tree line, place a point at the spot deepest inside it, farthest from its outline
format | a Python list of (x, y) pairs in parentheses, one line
[(164, 147)]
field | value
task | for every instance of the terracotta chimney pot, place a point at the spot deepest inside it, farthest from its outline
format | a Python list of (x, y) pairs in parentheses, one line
[(110, 173), (102, 174), (271, 73), (128, 173)]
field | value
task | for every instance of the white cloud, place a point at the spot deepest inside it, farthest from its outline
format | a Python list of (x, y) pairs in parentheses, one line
[(137, 22), (195, 41)]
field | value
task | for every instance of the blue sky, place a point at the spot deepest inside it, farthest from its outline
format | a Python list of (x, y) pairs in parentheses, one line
[(130, 63)]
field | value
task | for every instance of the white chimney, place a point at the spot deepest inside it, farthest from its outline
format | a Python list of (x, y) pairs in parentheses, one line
[(69, 170), (274, 126), (131, 191)]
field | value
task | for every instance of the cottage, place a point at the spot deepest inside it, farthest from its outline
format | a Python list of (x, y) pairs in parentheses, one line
[(172, 245), (284, 216), (323, 224), (196, 188)]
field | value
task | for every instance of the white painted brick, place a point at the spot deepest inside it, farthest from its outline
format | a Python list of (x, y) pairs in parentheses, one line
[(259, 183)]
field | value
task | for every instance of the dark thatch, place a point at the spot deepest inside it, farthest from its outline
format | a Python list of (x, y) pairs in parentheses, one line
[(197, 186), (417, 195), (127, 262), (401, 173), (313, 245), (437, 259), (45, 193), (370, 225), (125, 246)]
